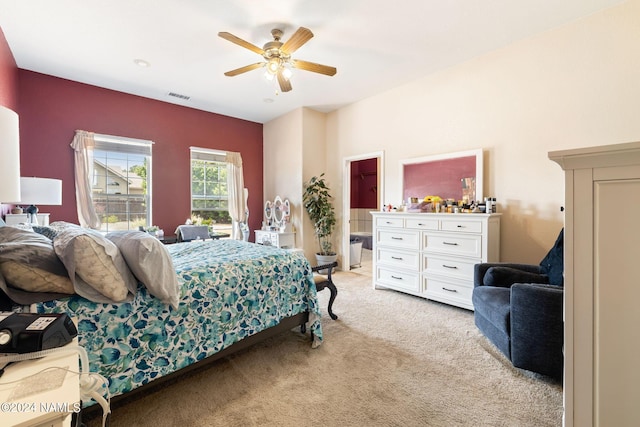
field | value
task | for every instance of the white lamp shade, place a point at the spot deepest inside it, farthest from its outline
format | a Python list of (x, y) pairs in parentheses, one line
[(40, 191), (9, 155)]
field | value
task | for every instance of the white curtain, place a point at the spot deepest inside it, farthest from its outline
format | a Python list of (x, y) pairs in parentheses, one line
[(235, 181), (82, 144)]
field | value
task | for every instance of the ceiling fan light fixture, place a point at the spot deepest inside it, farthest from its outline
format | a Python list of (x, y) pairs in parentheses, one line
[(286, 72), (273, 65), (277, 56), (269, 75)]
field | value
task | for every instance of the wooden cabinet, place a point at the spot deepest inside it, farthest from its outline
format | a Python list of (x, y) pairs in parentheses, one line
[(14, 219), (285, 240), (432, 255), (602, 290)]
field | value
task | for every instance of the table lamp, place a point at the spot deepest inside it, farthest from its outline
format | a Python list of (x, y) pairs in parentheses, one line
[(41, 191), (9, 155)]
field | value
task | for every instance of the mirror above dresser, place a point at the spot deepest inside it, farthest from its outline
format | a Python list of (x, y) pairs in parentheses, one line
[(456, 176)]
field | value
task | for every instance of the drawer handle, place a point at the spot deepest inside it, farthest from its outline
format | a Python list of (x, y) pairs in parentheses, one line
[(388, 222), (396, 277), (396, 238), (421, 224), (449, 266), (449, 290), (397, 257), (460, 226), (450, 243)]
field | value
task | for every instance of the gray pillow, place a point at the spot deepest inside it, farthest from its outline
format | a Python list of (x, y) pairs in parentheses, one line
[(29, 262), (150, 262)]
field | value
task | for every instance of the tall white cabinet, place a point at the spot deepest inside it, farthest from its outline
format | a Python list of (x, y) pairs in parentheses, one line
[(432, 255), (602, 285)]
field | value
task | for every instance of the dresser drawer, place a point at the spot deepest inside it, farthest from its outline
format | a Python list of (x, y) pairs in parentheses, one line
[(404, 239), (451, 267), (390, 222), (462, 226), (469, 245), (402, 280), (446, 291), (422, 223), (409, 260)]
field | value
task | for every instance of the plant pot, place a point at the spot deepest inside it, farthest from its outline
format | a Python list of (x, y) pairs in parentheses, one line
[(325, 259)]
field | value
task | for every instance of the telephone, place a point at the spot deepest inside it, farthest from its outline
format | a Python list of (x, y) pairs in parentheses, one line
[(28, 332)]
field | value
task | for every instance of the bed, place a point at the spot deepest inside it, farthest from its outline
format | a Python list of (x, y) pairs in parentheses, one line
[(230, 294)]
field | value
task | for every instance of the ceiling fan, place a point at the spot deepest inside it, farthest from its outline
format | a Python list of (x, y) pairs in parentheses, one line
[(277, 57)]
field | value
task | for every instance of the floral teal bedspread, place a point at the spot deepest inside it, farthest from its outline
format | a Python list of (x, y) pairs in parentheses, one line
[(229, 290)]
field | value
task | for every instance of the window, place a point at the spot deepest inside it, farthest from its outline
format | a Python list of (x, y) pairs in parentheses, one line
[(209, 189), (121, 184)]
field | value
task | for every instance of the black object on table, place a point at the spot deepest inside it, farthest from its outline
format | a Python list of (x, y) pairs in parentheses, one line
[(215, 236)]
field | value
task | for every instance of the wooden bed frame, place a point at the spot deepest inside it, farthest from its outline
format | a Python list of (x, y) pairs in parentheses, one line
[(285, 324)]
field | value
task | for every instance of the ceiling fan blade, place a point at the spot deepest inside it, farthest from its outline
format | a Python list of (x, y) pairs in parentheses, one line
[(237, 40), (243, 69), (300, 37), (285, 84), (312, 66)]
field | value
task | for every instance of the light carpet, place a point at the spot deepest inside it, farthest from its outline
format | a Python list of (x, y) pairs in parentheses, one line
[(389, 360)]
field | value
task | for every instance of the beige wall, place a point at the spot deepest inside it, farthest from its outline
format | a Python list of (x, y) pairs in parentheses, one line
[(294, 151), (578, 85), (574, 86)]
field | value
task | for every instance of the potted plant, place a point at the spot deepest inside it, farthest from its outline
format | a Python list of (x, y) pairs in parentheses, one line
[(317, 202)]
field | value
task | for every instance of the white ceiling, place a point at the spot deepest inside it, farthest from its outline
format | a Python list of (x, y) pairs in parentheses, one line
[(375, 44)]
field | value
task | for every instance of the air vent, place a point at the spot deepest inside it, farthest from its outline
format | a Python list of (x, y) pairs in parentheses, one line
[(177, 95)]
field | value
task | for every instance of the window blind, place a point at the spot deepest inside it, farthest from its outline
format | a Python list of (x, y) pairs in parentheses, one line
[(207, 154), (123, 145)]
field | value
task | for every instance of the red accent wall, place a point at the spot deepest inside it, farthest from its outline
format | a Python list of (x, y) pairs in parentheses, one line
[(8, 75), (51, 109), (364, 184)]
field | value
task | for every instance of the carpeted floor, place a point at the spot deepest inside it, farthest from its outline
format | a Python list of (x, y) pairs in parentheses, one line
[(389, 360)]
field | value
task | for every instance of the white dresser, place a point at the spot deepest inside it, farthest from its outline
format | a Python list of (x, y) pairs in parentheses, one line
[(432, 255), (14, 219), (281, 239)]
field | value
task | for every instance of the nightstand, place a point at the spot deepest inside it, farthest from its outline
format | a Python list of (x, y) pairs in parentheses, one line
[(21, 405), (15, 219)]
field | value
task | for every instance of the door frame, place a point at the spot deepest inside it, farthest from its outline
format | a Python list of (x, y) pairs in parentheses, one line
[(346, 197)]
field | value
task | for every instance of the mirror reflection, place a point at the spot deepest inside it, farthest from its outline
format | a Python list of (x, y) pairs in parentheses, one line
[(277, 210), (277, 215), (456, 176), (267, 210)]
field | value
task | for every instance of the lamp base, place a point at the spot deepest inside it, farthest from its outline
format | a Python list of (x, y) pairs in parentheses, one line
[(32, 214)]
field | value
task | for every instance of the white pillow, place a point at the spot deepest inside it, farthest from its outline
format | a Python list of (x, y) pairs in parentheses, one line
[(95, 265), (34, 279), (150, 262)]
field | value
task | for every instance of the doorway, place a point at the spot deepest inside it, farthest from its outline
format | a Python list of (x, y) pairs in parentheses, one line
[(363, 193)]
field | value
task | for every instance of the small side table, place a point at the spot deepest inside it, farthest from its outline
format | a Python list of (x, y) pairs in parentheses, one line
[(323, 281), (168, 240), (15, 219), (46, 408), (215, 235)]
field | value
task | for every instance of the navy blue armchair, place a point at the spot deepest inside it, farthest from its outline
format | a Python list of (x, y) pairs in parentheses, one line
[(519, 307)]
